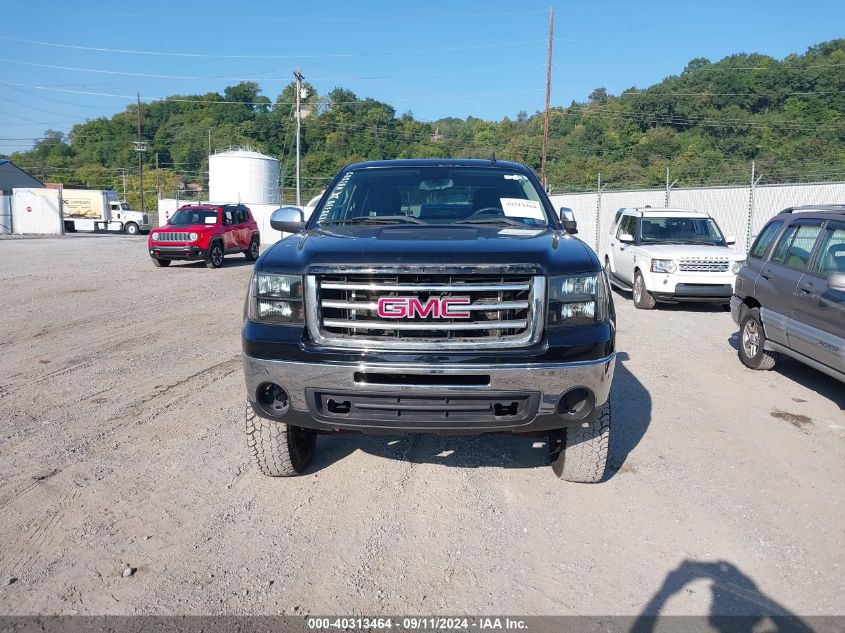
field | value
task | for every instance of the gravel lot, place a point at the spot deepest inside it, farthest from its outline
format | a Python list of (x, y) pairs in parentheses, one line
[(121, 399)]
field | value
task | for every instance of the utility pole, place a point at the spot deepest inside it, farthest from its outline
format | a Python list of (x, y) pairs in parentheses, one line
[(548, 98), (209, 141), (668, 189), (755, 179), (123, 177), (599, 189), (140, 147), (158, 190), (298, 75)]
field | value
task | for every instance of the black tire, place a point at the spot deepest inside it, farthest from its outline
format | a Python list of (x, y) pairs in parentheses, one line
[(215, 256), (580, 452), (254, 250), (278, 449), (131, 229), (161, 263), (751, 340), (642, 297)]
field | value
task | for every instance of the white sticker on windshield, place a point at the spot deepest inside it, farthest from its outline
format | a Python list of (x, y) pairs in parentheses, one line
[(518, 208), (211, 220), (515, 177)]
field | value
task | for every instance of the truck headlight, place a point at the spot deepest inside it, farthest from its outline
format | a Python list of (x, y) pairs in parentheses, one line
[(663, 266), (578, 299), (737, 266), (155, 237), (192, 237), (276, 298)]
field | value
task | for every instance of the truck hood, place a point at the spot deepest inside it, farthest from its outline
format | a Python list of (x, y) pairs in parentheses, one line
[(545, 251), (689, 251)]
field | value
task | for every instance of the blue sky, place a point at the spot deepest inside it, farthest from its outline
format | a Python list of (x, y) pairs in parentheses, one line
[(433, 58)]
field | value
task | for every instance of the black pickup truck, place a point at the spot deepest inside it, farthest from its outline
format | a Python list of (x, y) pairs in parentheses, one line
[(441, 296)]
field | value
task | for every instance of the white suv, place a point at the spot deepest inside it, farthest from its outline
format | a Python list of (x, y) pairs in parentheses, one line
[(671, 255)]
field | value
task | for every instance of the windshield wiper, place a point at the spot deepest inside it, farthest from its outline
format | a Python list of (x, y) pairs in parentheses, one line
[(501, 220), (376, 219)]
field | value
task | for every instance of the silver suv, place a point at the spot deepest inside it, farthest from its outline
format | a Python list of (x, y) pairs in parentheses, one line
[(790, 296)]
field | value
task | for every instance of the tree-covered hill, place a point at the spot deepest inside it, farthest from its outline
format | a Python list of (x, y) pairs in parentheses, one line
[(706, 124)]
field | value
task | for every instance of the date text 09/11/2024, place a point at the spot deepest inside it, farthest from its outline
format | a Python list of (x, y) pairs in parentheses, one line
[(418, 623)]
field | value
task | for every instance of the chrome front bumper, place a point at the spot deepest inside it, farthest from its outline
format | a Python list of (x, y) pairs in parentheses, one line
[(550, 381)]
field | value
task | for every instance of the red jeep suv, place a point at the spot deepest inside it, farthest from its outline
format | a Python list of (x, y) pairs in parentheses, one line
[(206, 232)]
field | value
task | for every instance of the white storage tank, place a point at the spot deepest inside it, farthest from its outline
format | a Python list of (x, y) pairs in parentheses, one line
[(243, 175)]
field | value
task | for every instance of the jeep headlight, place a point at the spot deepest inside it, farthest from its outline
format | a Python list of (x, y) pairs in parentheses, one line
[(155, 237), (737, 266), (663, 266), (276, 298), (192, 237), (578, 299)]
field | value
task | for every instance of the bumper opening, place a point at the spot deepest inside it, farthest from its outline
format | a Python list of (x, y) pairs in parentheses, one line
[(273, 399), (422, 380)]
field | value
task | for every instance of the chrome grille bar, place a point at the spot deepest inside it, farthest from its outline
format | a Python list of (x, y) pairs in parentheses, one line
[(425, 325), (372, 305), (421, 287)]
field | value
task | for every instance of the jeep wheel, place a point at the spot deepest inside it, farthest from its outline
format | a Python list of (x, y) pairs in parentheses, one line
[(642, 297), (278, 449), (253, 250), (161, 263), (215, 256), (131, 229), (579, 453), (751, 341)]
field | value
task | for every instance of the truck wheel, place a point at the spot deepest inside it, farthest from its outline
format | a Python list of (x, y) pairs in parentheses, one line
[(215, 256), (751, 340), (253, 250), (642, 297), (161, 263), (579, 453), (278, 449), (131, 229)]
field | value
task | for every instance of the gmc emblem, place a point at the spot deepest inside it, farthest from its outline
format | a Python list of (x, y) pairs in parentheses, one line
[(435, 307)]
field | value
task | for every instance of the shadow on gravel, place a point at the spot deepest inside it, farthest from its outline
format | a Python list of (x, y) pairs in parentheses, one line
[(631, 410), (737, 605), (236, 262), (631, 404), (804, 375), (676, 307)]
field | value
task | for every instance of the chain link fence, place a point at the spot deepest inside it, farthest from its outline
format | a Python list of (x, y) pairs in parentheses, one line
[(740, 211)]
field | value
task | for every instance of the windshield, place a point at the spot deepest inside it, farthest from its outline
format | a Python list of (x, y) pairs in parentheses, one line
[(183, 217), (681, 230), (434, 195)]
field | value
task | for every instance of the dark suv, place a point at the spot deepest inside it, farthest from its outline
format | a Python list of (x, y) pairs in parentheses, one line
[(790, 295)]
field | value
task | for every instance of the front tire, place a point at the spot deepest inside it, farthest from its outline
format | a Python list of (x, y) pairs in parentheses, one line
[(752, 338), (276, 448), (642, 297), (579, 453), (161, 263), (253, 251), (215, 256), (132, 229)]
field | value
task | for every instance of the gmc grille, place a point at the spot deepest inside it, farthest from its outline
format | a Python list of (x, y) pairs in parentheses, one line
[(704, 265), (179, 236), (505, 311)]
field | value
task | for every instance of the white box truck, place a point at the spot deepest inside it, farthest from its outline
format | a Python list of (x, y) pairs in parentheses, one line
[(100, 210)]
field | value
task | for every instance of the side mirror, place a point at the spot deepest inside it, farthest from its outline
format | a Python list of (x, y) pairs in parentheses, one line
[(626, 238), (730, 240), (287, 219), (567, 218), (836, 281)]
